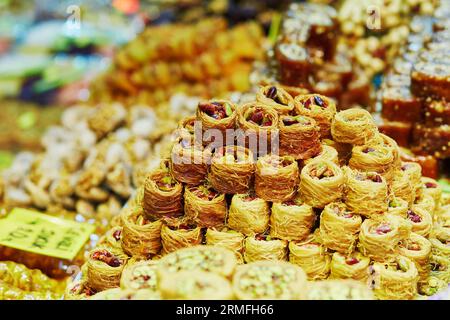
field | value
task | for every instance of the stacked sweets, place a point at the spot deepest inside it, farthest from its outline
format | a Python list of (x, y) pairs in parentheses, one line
[(308, 54), (329, 194), (204, 59), (416, 94)]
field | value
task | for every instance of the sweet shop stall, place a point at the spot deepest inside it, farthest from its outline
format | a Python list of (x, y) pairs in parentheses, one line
[(225, 150)]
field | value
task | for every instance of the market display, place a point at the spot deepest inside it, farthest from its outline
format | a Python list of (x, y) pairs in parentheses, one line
[(348, 218)]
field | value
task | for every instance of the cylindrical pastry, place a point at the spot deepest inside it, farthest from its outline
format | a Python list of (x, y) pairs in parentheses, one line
[(318, 107), (263, 247), (104, 268), (162, 196), (78, 290), (395, 281), (321, 182), (178, 234), (328, 153), (355, 126), (226, 238), (276, 178), (195, 285), (260, 124), (401, 186), (378, 239), (204, 206), (397, 207), (189, 162), (213, 259), (216, 115), (440, 267), (141, 238), (299, 137), (187, 129), (139, 275), (420, 220), (248, 214), (275, 97), (418, 249), (312, 257), (112, 238), (366, 193), (375, 158), (294, 63), (232, 169), (339, 228), (414, 172), (269, 280), (440, 247), (388, 142), (354, 266), (292, 220), (424, 202), (432, 188)]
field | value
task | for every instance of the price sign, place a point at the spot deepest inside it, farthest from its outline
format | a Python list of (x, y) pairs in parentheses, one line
[(39, 233)]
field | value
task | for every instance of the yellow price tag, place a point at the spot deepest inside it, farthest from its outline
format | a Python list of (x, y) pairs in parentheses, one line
[(43, 234)]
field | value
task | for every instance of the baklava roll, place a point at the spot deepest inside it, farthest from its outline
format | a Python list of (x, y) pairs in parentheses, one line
[(189, 161), (395, 281), (425, 202), (378, 239), (354, 126), (401, 187), (366, 193), (260, 124), (104, 268), (418, 249), (299, 137), (187, 129), (112, 238), (354, 266), (440, 247), (276, 97), (141, 237), (263, 247), (216, 114), (388, 142), (248, 214), (420, 220), (163, 196), (195, 285), (321, 182), (204, 206), (139, 275), (226, 238), (328, 153), (292, 220), (177, 234), (414, 172), (217, 260), (339, 227), (440, 267), (375, 158), (397, 207), (232, 169), (265, 280), (312, 257), (431, 187), (276, 178), (78, 290), (318, 107)]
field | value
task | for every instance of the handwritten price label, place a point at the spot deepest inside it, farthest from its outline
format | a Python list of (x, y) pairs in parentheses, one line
[(43, 234)]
